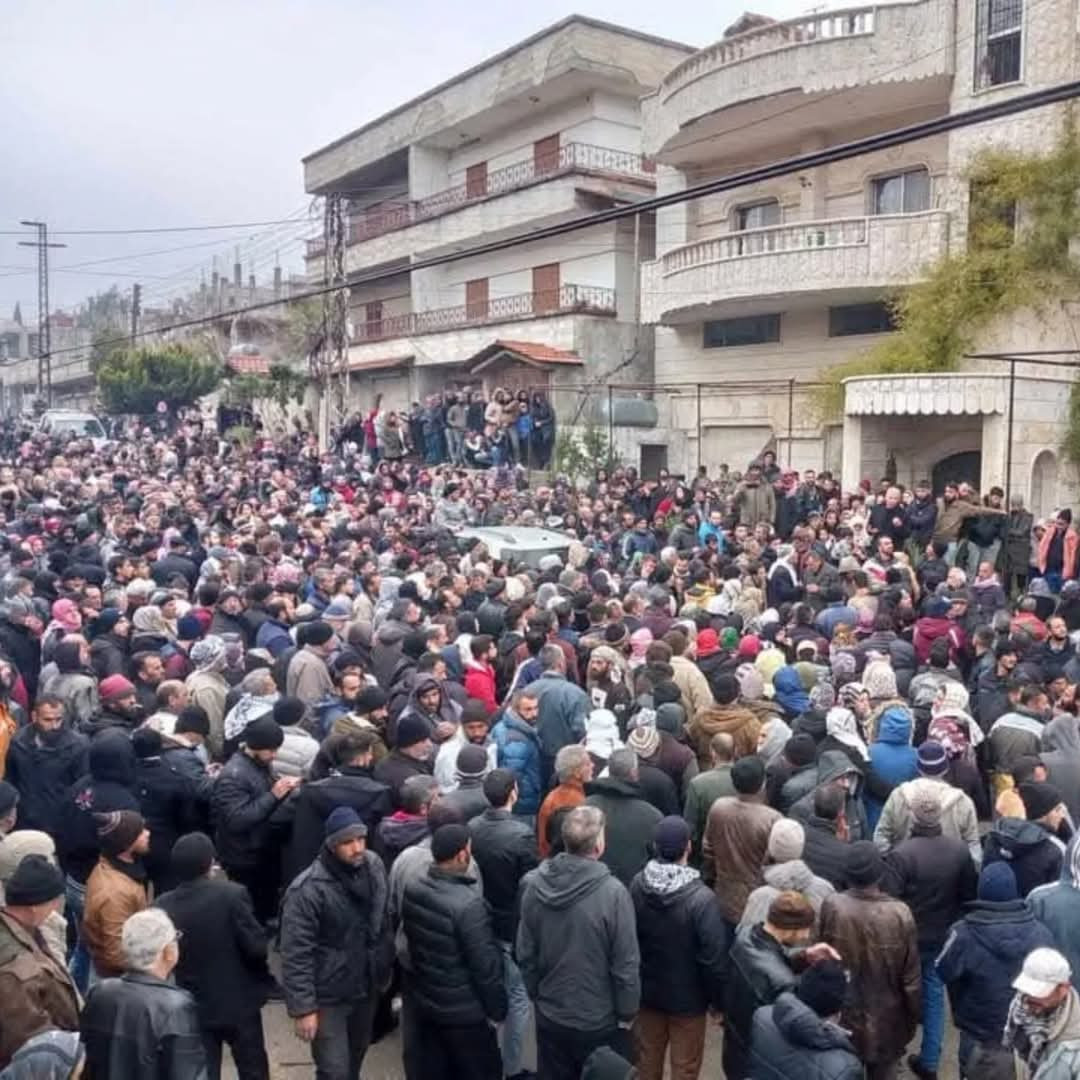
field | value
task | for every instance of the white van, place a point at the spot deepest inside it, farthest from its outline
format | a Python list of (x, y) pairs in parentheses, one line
[(82, 424)]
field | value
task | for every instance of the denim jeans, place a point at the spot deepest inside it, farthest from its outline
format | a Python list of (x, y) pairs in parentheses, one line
[(933, 1010), (455, 445), (516, 1024), (79, 960)]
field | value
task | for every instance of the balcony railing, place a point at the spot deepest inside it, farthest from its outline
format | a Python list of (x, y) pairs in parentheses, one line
[(801, 236), (826, 26), (566, 300), (572, 157)]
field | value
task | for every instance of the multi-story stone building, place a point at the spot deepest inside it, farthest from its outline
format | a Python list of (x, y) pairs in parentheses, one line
[(545, 131), (755, 292)]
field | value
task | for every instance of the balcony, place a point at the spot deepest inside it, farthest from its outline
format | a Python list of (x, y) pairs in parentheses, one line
[(810, 55), (572, 158), (734, 271), (567, 300)]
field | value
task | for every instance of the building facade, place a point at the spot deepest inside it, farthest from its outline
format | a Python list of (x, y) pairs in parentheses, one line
[(755, 292), (547, 131)]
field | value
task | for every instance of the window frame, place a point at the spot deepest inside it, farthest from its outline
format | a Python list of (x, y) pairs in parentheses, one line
[(776, 321), (865, 305), (983, 38), (881, 178)]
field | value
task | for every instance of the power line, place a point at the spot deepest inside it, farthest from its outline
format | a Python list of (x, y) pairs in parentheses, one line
[(842, 152)]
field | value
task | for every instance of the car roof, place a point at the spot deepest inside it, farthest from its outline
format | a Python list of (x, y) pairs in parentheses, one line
[(522, 537)]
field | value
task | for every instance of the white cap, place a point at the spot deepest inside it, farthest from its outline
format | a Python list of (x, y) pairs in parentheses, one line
[(1044, 970)]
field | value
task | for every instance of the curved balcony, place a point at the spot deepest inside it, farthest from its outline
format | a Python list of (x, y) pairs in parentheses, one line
[(803, 258), (811, 54)]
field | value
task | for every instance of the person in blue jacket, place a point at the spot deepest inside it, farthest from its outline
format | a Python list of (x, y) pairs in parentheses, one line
[(518, 749), (981, 957), (1057, 906), (893, 760)]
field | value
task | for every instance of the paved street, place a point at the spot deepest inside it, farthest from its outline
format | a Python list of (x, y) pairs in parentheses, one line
[(291, 1060)]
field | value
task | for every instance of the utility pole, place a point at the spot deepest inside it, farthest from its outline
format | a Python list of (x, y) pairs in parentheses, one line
[(44, 349), (136, 311), (335, 316)]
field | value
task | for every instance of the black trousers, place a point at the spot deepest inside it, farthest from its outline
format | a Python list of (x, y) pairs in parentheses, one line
[(247, 1045), (469, 1052), (561, 1052), (342, 1039), (262, 883)]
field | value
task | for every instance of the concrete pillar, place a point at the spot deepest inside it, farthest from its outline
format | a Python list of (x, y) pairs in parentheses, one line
[(672, 222), (852, 461), (813, 188), (428, 171), (995, 433)]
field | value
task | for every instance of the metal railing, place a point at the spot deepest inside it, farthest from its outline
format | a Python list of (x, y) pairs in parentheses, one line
[(825, 26), (568, 299), (571, 157), (799, 236)]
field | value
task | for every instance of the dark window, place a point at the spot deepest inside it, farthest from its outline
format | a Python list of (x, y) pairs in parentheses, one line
[(902, 193), (876, 318), (991, 218), (998, 42), (757, 215), (750, 330)]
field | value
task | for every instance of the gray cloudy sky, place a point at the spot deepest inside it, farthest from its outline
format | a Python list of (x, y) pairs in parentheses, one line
[(143, 113)]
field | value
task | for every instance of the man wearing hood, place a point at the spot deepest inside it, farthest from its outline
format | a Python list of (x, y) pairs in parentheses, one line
[(605, 685), (578, 951), (682, 940), (19, 630), (835, 769), (430, 704), (109, 643), (958, 816), (1031, 847), (981, 957), (208, 688), (785, 871), (1061, 756)]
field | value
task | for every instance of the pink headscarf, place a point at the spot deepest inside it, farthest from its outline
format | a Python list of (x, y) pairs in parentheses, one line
[(640, 640), (65, 613)]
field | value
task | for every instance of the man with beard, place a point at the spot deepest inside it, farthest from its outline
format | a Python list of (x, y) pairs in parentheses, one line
[(605, 685), (755, 501), (334, 947)]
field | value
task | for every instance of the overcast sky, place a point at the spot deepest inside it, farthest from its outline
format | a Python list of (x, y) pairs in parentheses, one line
[(149, 113)]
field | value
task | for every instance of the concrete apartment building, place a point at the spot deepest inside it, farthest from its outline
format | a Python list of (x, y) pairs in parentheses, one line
[(545, 131), (753, 293)]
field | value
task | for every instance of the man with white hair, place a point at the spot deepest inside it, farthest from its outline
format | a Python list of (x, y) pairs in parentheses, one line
[(141, 1024)]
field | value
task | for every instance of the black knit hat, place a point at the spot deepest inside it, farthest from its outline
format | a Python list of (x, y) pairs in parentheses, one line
[(263, 734), (864, 865), (35, 881), (371, 698), (411, 730), (192, 856), (288, 711), (318, 633), (800, 749), (1038, 798), (118, 830), (823, 986)]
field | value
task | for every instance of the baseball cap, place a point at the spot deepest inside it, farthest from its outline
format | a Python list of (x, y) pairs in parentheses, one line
[(1043, 970)]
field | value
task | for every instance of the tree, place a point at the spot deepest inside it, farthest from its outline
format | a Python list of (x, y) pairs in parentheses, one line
[(135, 380)]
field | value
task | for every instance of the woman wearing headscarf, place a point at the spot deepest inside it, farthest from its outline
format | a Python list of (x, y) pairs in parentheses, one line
[(66, 619), (640, 640)]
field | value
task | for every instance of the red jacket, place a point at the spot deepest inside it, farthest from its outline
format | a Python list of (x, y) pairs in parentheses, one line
[(480, 683)]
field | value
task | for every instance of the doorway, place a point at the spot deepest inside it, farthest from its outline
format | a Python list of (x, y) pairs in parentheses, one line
[(1044, 484), (653, 459), (957, 469)]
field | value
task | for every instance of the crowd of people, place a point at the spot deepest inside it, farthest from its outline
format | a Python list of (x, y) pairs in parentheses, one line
[(744, 750), (459, 429)]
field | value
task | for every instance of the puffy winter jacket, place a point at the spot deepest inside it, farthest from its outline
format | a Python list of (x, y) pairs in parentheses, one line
[(1033, 852), (518, 749), (456, 966), (1057, 906), (43, 775), (504, 848), (982, 955), (789, 1041), (296, 753), (334, 934), (893, 760), (682, 938)]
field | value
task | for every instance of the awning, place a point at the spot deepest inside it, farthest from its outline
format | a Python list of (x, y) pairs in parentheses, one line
[(249, 364), (535, 354), (941, 394)]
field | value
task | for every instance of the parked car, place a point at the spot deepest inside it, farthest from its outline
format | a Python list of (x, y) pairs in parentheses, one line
[(81, 424), (521, 546)]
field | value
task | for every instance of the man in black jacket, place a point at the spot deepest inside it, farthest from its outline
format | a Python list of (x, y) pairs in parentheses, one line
[(184, 752), (504, 848), (936, 877), (334, 947), (246, 796), (456, 967), (351, 784), (223, 960), (43, 762), (141, 1024), (683, 942), (825, 850)]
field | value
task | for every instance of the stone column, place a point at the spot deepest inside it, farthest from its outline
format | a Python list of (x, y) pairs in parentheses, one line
[(852, 459)]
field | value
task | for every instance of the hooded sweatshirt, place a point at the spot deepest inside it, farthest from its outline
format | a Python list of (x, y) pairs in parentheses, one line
[(1057, 906), (1061, 756), (783, 877), (577, 944), (958, 816), (1034, 853), (893, 760)]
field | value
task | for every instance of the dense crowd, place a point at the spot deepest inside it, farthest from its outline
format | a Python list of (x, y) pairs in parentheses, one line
[(742, 750)]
